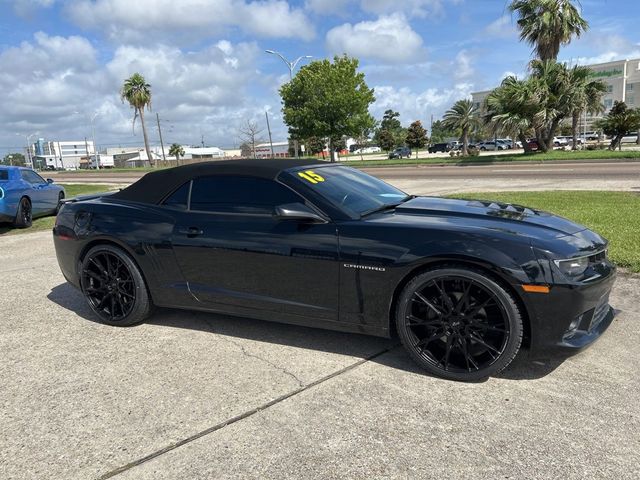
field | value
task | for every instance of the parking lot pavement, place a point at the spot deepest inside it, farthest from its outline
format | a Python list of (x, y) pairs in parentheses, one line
[(194, 395)]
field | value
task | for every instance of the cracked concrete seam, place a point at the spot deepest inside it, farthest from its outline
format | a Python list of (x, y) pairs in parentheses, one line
[(248, 354)]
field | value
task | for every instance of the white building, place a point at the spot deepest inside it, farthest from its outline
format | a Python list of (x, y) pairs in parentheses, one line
[(67, 155), (280, 149), (623, 84)]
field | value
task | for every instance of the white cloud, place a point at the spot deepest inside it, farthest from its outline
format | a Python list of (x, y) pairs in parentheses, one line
[(389, 38), (463, 66), (47, 80), (141, 20), (414, 8), (328, 7), (418, 105), (502, 27)]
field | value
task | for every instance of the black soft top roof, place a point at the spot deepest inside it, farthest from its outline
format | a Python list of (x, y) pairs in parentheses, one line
[(154, 186)]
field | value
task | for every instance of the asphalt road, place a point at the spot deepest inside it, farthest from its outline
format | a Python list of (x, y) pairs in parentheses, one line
[(435, 180), (203, 396)]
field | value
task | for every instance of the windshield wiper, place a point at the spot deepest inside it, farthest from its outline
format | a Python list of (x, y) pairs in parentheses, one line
[(387, 206)]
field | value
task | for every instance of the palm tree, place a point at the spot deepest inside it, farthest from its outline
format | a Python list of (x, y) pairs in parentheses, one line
[(137, 92), (548, 24), (176, 151), (463, 117), (586, 96), (512, 108), (618, 122)]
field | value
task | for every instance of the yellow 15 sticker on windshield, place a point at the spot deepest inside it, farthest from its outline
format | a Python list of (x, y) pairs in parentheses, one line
[(311, 176)]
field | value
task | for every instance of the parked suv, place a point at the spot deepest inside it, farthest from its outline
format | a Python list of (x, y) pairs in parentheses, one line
[(440, 147), (401, 152)]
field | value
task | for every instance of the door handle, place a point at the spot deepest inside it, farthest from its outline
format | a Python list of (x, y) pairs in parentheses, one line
[(191, 231)]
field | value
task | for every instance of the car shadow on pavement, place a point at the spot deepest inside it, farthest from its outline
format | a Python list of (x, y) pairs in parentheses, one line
[(350, 344)]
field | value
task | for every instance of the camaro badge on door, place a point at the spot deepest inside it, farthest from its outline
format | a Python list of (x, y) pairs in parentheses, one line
[(364, 267)]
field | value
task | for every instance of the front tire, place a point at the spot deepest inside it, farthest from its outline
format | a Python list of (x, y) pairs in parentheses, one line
[(458, 323), (114, 287), (24, 215)]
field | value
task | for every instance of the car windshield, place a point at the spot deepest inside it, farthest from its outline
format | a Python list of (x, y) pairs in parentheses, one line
[(4, 175), (350, 189)]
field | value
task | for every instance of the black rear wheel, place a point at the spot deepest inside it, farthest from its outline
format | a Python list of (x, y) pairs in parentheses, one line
[(457, 323), (114, 287), (24, 215)]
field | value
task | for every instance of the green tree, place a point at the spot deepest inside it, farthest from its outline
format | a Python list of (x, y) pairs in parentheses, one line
[(314, 145), (512, 109), (13, 159), (177, 151), (137, 92), (416, 136), (540, 103), (619, 122), (327, 99), (548, 24), (386, 140), (440, 133), (462, 116), (586, 96), (390, 123)]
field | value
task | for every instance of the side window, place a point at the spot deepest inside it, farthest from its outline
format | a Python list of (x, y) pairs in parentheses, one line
[(180, 198), (31, 177), (236, 194)]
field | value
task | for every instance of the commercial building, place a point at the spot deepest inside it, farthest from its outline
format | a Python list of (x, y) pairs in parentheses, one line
[(622, 78), (67, 155), (280, 149)]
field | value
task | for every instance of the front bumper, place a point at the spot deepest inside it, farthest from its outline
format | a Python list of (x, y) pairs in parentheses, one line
[(570, 317)]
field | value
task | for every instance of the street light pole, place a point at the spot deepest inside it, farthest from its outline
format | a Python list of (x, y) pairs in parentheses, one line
[(29, 156), (292, 67), (95, 147)]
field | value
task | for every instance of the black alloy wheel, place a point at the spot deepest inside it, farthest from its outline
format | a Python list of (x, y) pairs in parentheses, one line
[(114, 287), (24, 215), (458, 324)]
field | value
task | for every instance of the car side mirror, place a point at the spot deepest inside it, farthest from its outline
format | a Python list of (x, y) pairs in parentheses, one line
[(297, 211), (49, 180)]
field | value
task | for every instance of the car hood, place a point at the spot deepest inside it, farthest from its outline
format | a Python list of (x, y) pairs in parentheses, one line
[(495, 215)]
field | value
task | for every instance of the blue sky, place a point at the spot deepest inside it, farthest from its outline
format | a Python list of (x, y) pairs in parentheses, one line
[(206, 63)]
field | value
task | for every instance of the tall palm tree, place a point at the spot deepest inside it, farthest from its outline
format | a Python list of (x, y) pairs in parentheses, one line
[(548, 24), (462, 116), (586, 96), (137, 92), (177, 151)]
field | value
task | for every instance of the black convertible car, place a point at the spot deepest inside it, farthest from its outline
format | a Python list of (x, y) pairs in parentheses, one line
[(463, 283)]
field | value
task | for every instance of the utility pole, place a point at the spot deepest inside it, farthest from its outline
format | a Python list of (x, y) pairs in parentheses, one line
[(202, 139), (269, 129), (161, 142)]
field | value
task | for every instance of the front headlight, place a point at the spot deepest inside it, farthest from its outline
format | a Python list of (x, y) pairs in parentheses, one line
[(574, 267)]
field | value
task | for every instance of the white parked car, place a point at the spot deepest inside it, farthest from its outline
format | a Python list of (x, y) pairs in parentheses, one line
[(369, 150), (560, 141), (490, 146)]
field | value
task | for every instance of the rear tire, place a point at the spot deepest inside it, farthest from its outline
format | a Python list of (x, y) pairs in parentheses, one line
[(24, 215), (457, 323), (114, 287)]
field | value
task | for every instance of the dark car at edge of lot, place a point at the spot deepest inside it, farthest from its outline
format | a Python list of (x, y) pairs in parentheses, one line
[(400, 152), (465, 284), (440, 147)]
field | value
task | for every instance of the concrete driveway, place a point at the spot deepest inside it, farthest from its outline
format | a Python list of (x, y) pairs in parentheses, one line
[(194, 396)]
